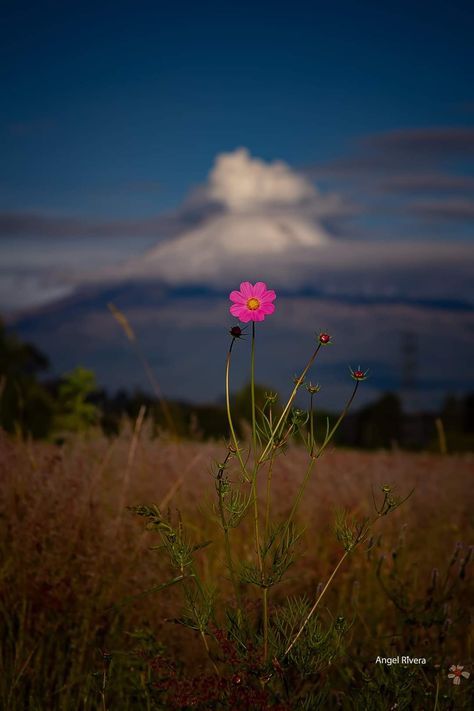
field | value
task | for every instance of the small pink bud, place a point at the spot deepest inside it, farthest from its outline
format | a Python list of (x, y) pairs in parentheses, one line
[(359, 374)]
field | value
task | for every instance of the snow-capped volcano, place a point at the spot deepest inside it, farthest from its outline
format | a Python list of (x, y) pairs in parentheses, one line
[(257, 221), (199, 253), (252, 217)]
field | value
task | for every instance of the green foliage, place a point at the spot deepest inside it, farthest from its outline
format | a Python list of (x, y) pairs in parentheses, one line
[(26, 406), (74, 410), (349, 531)]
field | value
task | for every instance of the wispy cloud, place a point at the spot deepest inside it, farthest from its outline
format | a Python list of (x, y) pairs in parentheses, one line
[(425, 182), (385, 171), (447, 209), (29, 224), (430, 143)]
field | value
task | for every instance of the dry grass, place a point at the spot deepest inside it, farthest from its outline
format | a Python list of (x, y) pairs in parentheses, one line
[(71, 550)]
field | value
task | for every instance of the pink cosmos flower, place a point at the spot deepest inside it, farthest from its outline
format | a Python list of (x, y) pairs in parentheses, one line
[(253, 302)]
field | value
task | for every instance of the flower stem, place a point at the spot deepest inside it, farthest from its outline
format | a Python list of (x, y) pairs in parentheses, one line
[(254, 448), (284, 414), (225, 527), (318, 600), (252, 390), (330, 435), (199, 586), (265, 589), (229, 414), (312, 462), (206, 647), (311, 425), (300, 493), (265, 624), (269, 484)]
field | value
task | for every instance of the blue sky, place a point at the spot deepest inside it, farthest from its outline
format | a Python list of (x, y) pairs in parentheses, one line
[(118, 108), (140, 145)]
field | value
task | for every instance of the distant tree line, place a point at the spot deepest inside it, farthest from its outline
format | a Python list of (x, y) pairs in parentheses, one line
[(33, 406)]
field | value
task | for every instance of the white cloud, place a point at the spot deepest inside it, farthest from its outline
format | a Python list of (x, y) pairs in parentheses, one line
[(242, 183)]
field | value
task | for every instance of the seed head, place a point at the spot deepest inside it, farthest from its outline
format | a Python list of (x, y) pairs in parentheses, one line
[(271, 398)]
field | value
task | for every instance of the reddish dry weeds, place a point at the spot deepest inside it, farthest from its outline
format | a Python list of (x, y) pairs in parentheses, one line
[(71, 549)]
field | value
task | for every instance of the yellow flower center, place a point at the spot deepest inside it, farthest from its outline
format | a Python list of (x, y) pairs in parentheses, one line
[(253, 304)]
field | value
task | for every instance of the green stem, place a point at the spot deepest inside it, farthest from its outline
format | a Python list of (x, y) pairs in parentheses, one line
[(206, 647), (252, 390), (285, 412), (341, 417), (315, 456), (229, 414), (104, 684), (311, 425), (265, 624), (318, 600), (269, 484), (256, 526), (437, 695), (201, 630), (362, 535), (299, 493), (228, 553), (256, 462), (265, 589)]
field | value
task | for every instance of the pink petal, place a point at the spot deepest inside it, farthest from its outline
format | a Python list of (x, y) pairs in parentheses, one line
[(237, 297), (457, 680), (269, 295), (237, 309), (247, 289), (258, 315), (246, 316), (266, 308), (259, 289)]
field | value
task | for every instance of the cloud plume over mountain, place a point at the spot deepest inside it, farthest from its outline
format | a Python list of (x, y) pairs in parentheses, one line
[(255, 220)]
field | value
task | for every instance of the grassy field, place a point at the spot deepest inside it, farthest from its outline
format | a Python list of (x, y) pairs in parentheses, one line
[(72, 555)]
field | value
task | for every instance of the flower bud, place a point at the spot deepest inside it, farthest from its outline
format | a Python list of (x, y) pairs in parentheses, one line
[(359, 374)]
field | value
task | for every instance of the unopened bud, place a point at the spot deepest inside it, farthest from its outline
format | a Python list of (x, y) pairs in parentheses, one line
[(324, 339)]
